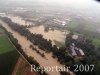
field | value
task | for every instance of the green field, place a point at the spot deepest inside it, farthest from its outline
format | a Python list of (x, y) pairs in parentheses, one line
[(96, 42), (5, 45), (84, 24), (8, 54), (81, 26)]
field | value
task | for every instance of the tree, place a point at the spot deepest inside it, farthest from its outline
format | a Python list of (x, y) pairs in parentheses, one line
[(99, 48), (69, 39)]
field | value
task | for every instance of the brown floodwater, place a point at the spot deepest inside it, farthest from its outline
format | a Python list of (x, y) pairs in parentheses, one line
[(52, 35), (56, 35), (25, 46)]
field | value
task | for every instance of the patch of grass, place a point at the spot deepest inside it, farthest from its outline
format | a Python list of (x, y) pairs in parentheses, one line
[(84, 24), (90, 28), (73, 24), (1, 30), (75, 33), (8, 54), (5, 45), (96, 42), (59, 44)]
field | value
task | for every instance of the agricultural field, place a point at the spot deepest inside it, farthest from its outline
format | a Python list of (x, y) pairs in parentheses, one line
[(8, 54), (23, 68), (5, 45), (81, 26), (96, 42), (78, 24)]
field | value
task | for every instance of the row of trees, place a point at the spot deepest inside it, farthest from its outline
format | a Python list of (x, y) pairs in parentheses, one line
[(37, 39), (30, 59), (33, 48), (92, 54)]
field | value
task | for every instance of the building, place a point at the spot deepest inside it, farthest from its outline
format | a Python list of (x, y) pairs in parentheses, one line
[(76, 51)]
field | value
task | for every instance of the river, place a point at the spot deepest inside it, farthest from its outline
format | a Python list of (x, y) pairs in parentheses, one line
[(55, 35), (26, 47)]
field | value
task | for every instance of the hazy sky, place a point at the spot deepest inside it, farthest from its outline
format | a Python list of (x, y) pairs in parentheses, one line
[(90, 7), (74, 3)]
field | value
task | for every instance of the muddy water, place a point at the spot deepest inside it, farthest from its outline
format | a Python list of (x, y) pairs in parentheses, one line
[(25, 46), (52, 35), (17, 19)]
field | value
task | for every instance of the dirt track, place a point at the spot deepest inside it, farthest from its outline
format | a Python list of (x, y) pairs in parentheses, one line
[(22, 67)]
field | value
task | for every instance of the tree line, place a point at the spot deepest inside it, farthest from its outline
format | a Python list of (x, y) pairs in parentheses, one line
[(92, 54), (37, 39), (30, 59)]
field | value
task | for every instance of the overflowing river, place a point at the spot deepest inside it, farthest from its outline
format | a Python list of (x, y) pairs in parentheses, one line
[(26, 47), (52, 35), (55, 35)]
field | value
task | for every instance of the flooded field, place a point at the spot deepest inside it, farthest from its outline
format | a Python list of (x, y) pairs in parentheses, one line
[(17, 19), (52, 35), (49, 61), (55, 35)]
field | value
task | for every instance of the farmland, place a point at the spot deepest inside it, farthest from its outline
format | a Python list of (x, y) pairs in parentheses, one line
[(5, 45), (8, 54)]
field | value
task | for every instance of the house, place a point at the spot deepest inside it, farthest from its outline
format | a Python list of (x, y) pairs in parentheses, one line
[(75, 37), (74, 51), (72, 48)]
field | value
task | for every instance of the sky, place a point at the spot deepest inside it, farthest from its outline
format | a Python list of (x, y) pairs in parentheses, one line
[(73, 3), (90, 7)]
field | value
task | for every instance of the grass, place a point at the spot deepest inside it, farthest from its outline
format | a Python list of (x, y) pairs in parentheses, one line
[(75, 33), (96, 42), (1, 30), (8, 54), (90, 28), (84, 24), (5, 45), (73, 24)]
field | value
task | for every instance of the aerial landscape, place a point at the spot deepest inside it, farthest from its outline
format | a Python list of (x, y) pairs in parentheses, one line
[(49, 37)]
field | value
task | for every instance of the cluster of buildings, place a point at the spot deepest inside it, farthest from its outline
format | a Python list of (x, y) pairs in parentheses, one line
[(74, 51)]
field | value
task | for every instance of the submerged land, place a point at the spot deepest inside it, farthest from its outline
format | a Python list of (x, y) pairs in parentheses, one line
[(44, 36)]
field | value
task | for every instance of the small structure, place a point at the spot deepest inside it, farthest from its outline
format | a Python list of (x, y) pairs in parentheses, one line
[(76, 51), (75, 37), (72, 47)]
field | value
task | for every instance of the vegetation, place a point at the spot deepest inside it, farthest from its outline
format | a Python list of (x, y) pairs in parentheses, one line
[(37, 39), (33, 48), (8, 54), (82, 26), (92, 55), (31, 60), (5, 45), (61, 53), (96, 42)]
